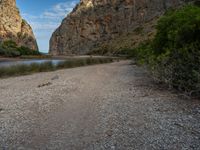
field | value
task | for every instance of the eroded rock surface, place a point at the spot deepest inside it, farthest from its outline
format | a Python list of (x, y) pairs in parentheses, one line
[(13, 27), (93, 22)]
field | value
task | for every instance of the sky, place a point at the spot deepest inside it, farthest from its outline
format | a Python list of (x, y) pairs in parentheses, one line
[(45, 16)]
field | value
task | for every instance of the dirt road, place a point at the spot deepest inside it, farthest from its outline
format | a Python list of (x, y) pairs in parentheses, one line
[(103, 107)]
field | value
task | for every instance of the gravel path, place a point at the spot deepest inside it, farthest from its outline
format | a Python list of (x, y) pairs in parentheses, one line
[(104, 107)]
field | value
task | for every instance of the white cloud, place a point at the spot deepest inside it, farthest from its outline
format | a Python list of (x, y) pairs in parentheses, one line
[(51, 18), (59, 10)]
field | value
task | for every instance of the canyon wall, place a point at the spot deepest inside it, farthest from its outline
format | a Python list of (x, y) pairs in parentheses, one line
[(13, 27), (94, 22)]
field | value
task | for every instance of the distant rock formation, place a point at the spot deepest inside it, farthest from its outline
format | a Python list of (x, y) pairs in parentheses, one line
[(13, 27), (93, 22)]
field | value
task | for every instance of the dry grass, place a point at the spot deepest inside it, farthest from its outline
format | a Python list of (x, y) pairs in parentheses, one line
[(24, 69)]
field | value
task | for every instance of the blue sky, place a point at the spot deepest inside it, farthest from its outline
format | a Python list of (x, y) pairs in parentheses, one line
[(45, 16)]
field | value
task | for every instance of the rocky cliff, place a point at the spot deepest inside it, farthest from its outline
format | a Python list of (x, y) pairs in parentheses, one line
[(94, 22), (13, 27)]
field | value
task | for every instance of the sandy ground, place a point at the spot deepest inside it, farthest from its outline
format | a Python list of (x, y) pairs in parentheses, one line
[(104, 107)]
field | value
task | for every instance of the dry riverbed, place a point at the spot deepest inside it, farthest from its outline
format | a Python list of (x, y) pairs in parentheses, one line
[(104, 107)]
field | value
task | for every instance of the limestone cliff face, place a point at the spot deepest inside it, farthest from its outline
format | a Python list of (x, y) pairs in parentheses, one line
[(93, 22), (13, 27)]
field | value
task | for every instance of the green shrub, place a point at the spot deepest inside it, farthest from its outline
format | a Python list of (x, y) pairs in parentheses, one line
[(177, 48), (10, 49), (27, 51), (9, 45), (176, 29), (139, 30), (174, 54)]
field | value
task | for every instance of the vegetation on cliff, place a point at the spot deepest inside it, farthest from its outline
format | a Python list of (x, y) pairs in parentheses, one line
[(10, 49), (173, 56)]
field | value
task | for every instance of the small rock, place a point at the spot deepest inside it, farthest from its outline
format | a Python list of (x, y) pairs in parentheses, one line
[(109, 133), (44, 84), (196, 110), (55, 77)]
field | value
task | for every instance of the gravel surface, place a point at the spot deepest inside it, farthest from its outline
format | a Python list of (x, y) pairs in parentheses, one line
[(104, 107)]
